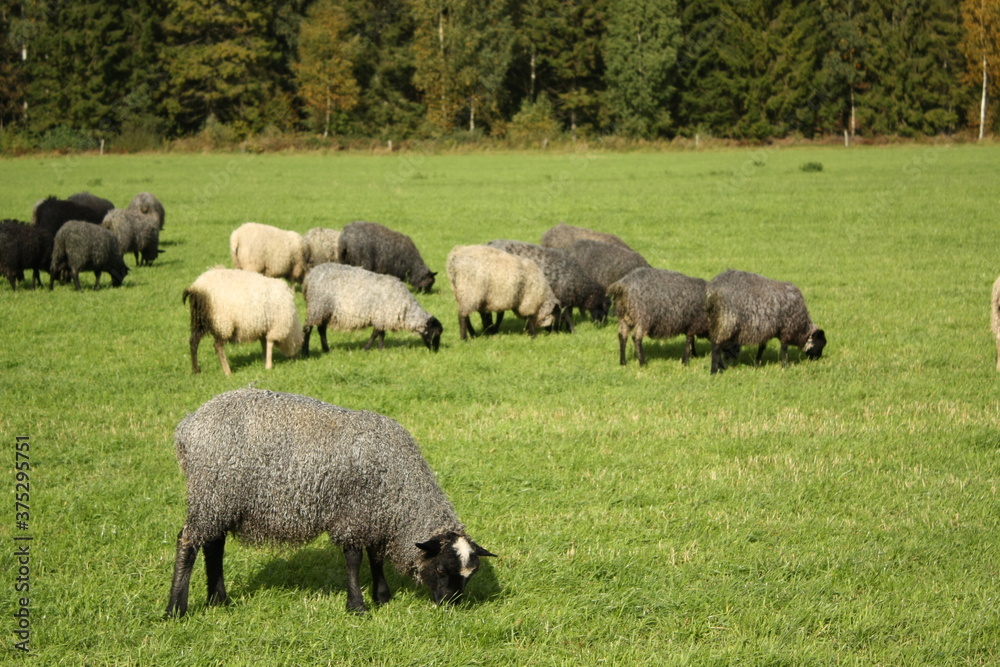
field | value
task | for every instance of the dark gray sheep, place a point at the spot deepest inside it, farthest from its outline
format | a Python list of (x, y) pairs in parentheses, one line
[(147, 204), (748, 309), (24, 247), (349, 298), (563, 235), (570, 282), (377, 248), (272, 467), (137, 233), (659, 304), (99, 205), (605, 262), (82, 246)]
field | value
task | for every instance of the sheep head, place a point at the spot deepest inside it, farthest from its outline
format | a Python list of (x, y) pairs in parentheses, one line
[(447, 562)]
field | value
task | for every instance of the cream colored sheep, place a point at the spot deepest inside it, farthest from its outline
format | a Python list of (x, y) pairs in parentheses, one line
[(267, 250)]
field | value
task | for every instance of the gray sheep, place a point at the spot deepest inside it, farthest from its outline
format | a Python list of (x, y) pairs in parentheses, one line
[(147, 204), (995, 317), (321, 246), (563, 235), (487, 280), (137, 233), (239, 307), (659, 304), (24, 247), (273, 252), (570, 282), (282, 468), (605, 262), (82, 246), (99, 205), (748, 309), (377, 248), (349, 298)]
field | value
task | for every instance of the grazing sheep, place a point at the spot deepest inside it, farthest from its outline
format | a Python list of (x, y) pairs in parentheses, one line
[(350, 298), (97, 204), (487, 280), (570, 282), (82, 246), (136, 232), (749, 309), (995, 317), (50, 214), (273, 467), (264, 249), (238, 306), (23, 247), (148, 204), (563, 235), (321, 246), (605, 262), (659, 304), (377, 248)]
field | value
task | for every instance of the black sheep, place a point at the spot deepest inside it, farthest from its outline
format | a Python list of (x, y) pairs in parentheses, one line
[(80, 246), (51, 214), (23, 247), (377, 248)]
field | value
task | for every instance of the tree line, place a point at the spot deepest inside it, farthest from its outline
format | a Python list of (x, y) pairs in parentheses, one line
[(396, 69)]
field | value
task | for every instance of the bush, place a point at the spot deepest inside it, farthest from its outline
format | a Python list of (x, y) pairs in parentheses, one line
[(139, 134), (64, 138), (811, 166), (534, 122)]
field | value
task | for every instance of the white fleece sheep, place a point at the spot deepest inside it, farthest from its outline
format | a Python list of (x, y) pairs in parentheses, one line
[(488, 280), (349, 298), (239, 306), (264, 249)]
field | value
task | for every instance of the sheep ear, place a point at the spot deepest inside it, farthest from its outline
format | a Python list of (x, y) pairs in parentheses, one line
[(479, 551), (430, 547)]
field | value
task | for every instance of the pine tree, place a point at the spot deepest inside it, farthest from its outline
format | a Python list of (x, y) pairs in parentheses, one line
[(324, 68), (981, 47), (640, 54)]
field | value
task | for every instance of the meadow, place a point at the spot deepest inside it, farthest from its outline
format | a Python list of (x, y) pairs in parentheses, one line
[(842, 511)]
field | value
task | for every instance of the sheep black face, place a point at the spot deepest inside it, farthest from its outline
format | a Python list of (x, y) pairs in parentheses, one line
[(425, 282), (449, 561), (815, 344), (118, 275), (432, 334)]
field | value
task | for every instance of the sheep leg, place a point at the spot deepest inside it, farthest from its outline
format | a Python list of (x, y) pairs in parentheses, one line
[(489, 326), (306, 333), (376, 333), (622, 342), (267, 346), (183, 563), (717, 364), (213, 550), (220, 350), (639, 352), (322, 338), (196, 335), (13, 281), (760, 353), (567, 316), (465, 328), (380, 587), (355, 601), (97, 279), (784, 354), (76, 279), (688, 350)]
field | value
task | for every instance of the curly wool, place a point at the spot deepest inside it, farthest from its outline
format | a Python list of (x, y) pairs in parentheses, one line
[(563, 235), (377, 248), (267, 250), (605, 262), (572, 285), (239, 306), (82, 246), (321, 246), (348, 298), (749, 309), (660, 304), (147, 204), (275, 467), (51, 214), (99, 205), (487, 279), (136, 232)]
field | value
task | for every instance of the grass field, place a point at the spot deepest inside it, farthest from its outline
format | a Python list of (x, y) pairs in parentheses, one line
[(838, 511)]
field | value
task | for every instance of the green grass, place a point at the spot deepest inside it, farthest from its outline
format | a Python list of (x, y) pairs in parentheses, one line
[(842, 511)]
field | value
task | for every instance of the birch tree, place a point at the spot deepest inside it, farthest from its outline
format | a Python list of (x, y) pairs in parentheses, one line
[(981, 45), (324, 68)]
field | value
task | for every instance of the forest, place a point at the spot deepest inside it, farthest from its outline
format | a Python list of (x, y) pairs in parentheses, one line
[(137, 73)]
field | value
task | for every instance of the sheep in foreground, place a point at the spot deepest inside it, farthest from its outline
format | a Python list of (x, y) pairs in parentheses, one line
[(147, 204), (570, 282), (377, 248), (563, 235), (239, 306), (349, 298), (487, 280), (136, 232), (23, 247), (321, 246), (82, 246), (99, 205), (659, 304), (748, 309), (605, 262), (995, 317), (50, 214), (264, 249), (282, 468)]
